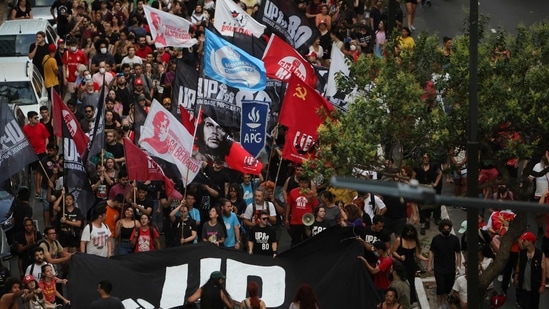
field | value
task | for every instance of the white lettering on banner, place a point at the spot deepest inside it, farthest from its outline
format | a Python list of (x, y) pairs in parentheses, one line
[(273, 279), (291, 28), (253, 138), (12, 134), (187, 96), (70, 153), (303, 142), (173, 285)]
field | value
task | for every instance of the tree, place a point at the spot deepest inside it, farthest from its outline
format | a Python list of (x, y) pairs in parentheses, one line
[(395, 109)]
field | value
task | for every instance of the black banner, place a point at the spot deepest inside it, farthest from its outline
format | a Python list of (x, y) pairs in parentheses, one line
[(165, 278), (75, 177), (287, 21), (15, 150)]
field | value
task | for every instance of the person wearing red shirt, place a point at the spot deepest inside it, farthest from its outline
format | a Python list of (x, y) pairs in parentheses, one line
[(38, 135), (301, 200), (71, 59), (382, 268), (142, 49)]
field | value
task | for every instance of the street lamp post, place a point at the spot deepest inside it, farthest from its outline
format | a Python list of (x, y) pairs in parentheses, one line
[(473, 294)]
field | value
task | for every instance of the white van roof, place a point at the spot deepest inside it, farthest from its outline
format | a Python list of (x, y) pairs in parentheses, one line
[(26, 26)]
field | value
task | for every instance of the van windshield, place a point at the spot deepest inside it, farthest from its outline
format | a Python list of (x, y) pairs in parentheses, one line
[(16, 45), (20, 93)]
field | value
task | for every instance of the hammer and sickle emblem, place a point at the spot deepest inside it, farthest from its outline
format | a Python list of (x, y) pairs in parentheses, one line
[(300, 92)]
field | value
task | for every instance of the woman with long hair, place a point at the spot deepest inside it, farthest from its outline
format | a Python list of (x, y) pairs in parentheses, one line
[(305, 298), (351, 216), (25, 240), (213, 294), (237, 199), (406, 249), (123, 231), (253, 301), (69, 222), (145, 237), (22, 10), (214, 230), (48, 285)]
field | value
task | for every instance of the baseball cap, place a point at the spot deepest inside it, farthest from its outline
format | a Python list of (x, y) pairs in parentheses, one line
[(141, 97), (463, 227), (166, 101), (28, 278), (52, 48), (528, 236), (217, 274), (138, 81), (60, 41)]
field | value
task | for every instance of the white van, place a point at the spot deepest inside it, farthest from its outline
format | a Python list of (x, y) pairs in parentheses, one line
[(16, 36), (23, 87)]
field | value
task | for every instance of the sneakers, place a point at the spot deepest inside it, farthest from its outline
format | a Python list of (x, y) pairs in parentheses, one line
[(412, 28), (38, 196)]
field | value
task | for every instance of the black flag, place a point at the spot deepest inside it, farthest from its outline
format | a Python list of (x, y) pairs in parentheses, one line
[(16, 151)]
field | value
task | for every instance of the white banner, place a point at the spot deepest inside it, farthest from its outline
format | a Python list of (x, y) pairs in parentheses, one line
[(163, 136), (230, 18), (337, 64), (168, 29)]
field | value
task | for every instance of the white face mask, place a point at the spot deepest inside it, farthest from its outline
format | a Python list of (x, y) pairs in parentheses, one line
[(103, 50), (90, 91), (73, 49), (88, 76), (102, 70)]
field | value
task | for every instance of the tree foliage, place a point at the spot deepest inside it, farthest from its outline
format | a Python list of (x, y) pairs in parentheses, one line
[(391, 109)]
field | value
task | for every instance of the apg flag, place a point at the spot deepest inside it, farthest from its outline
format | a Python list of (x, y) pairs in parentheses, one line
[(281, 61), (137, 159), (75, 178), (16, 152), (231, 65), (63, 119), (163, 136), (254, 126), (301, 102), (231, 18), (168, 29), (284, 18)]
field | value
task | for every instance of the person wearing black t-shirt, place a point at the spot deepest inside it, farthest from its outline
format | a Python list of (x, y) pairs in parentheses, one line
[(38, 50), (320, 224), (143, 204), (262, 239), (372, 234), (114, 147), (63, 13)]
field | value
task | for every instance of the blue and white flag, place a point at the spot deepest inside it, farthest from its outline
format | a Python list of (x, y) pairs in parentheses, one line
[(253, 126), (231, 65)]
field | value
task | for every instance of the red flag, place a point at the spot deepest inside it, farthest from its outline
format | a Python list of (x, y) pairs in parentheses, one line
[(301, 102), (241, 160), (187, 119), (137, 159), (61, 113), (282, 60)]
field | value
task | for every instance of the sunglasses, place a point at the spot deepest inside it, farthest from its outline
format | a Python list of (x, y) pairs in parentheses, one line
[(264, 219)]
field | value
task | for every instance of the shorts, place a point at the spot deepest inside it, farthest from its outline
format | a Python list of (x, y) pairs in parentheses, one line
[(411, 1), (35, 166), (71, 87), (545, 246), (445, 282)]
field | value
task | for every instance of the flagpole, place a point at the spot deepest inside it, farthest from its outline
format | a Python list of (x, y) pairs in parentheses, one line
[(44, 170), (271, 152), (194, 136), (63, 201)]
